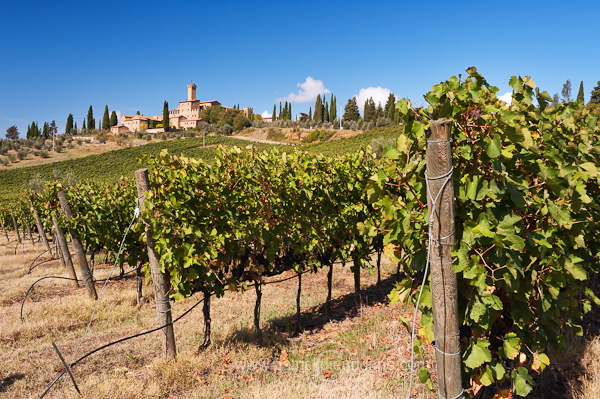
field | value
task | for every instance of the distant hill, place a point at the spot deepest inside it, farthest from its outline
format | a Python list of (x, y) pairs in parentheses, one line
[(114, 165)]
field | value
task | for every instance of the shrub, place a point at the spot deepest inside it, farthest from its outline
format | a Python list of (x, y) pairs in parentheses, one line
[(318, 135), (22, 153)]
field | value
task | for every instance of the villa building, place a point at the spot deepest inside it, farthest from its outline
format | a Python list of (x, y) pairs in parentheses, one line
[(185, 116)]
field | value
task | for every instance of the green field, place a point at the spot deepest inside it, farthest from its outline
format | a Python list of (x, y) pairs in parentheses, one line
[(113, 165)]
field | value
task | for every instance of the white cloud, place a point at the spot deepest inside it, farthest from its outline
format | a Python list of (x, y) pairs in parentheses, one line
[(266, 114), (309, 90), (506, 97), (380, 96)]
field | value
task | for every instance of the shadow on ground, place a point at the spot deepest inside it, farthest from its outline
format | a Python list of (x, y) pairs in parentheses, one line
[(8, 381)]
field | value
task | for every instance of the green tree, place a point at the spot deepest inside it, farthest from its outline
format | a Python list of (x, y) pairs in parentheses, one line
[(52, 129), (326, 112), (390, 107), (333, 109), (83, 127), (106, 119), (45, 130), (166, 122), (310, 113), (91, 123), (351, 112), (69, 125), (274, 115), (370, 110), (114, 121), (12, 133), (240, 122), (318, 116), (580, 95), (379, 112), (33, 131), (566, 92), (595, 95)]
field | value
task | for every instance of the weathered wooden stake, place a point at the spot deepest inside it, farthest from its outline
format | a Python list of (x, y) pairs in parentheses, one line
[(257, 304), (160, 280), (5, 231), (14, 219), (356, 263), (62, 359), (65, 255), (28, 229), (40, 227), (329, 287), (298, 295), (440, 200), (82, 262)]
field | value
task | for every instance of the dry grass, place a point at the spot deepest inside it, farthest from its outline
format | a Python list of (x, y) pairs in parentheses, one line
[(357, 353), (78, 151)]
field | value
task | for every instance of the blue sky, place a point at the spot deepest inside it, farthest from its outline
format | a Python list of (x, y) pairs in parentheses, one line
[(61, 57)]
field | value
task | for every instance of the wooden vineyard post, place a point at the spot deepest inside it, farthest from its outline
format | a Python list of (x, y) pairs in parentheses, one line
[(440, 199), (28, 229), (40, 227), (84, 269), (64, 250), (5, 231), (160, 280), (14, 219)]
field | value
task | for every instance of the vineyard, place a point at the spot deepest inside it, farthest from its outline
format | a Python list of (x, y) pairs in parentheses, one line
[(216, 223)]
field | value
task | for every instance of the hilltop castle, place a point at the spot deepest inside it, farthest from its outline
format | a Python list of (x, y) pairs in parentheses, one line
[(185, 116)]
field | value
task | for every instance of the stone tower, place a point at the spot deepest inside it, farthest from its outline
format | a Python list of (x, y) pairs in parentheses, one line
[(191, 92)]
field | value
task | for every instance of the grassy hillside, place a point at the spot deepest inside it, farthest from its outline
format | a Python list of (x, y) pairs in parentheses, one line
[(334, 147), (113, 165), (109, 166)]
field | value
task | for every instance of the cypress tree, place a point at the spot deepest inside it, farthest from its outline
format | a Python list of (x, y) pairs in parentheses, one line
[(114, 121), (274, 115), (378, 112), (69, 125), (351, 112), (390, 107), (310, 114), (370, 110), (580, 96), (106, 119), (35, 132), (318, 110), (75, 128), (595, 95), (326, 113), (333, 109), (166, 121), (45, 130), (91, 123), (279, 115), (83, 127)]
